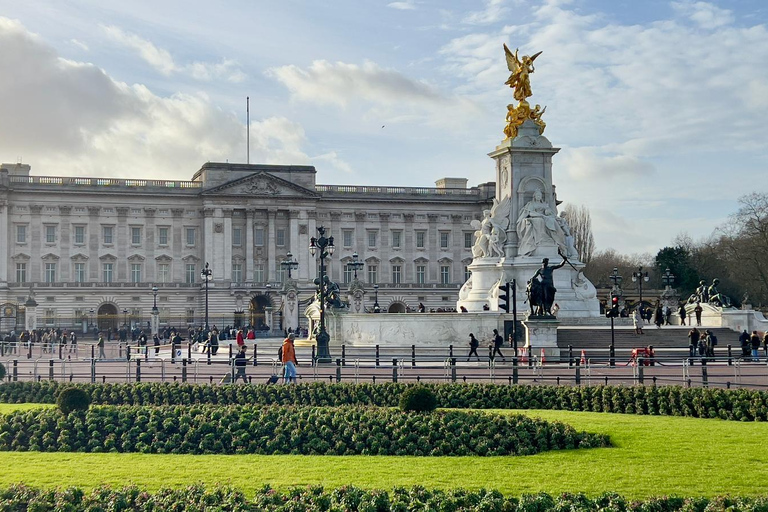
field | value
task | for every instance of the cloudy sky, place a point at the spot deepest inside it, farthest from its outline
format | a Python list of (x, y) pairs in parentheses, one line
[(659, 106)]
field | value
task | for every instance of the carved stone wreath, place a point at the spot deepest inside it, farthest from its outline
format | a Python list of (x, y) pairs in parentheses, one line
[(219, 227)]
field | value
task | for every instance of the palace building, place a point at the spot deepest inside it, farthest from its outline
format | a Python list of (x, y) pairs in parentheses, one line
[(84, 251)]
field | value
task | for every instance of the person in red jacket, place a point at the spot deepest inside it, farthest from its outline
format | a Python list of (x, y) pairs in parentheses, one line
[(239, 338), (289, 359)]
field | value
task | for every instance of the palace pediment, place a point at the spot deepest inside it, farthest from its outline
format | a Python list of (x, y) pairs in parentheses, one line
[(261, 184)]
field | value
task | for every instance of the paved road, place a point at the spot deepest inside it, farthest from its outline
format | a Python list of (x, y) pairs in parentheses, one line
[(430, 364)]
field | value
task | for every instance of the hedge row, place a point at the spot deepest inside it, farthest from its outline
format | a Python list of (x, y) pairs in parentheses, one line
[(281, 430), (352, 499), (737, 404)]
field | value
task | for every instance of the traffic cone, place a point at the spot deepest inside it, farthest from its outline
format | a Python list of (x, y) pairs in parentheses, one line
[(543, 357), (583, 357)]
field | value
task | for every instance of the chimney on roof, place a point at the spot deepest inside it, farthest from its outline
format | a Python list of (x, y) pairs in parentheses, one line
[(451, 183)]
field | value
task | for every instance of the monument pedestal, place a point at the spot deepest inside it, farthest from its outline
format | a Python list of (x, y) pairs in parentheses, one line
[(485, 278), (541, 334)]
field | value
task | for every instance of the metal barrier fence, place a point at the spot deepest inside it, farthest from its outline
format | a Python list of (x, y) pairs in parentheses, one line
[(182, 364)]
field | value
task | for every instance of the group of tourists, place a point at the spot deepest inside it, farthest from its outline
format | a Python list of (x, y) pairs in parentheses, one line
[(496, 342), (49, 339)]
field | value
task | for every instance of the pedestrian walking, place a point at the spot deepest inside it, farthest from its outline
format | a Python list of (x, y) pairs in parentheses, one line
[(744, 343), (288, 357), (682, 314), (637, 321), (473, 344), (498, 341), (754, 341), (100, 344), (241, 362), (697, 310)]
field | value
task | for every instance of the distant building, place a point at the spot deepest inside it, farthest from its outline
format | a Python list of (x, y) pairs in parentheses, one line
[(89, 250)]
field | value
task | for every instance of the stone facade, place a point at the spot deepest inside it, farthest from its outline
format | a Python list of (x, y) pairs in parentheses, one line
[(89, 250)]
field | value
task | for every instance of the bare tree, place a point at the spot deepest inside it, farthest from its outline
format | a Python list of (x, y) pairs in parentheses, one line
[(580, 223)]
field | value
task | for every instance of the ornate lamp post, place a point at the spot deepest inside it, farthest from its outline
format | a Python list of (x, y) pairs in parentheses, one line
[(205, 275), (616, 278), (91, 314), (668, 278), (155, 313), (125, 317), (615, 294), (289, 263), (376, 307), (639, 277), (355, 264), (326, 248)]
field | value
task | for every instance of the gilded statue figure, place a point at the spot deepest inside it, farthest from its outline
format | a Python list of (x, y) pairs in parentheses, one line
[(521, 69)]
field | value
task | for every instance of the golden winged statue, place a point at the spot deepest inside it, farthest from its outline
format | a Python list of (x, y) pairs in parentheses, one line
[(519, 80), (520, 69)]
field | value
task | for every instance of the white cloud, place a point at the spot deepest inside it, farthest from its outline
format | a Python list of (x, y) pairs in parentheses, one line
[(408, 5), (705, 14), (156, 57), (590, 164), (72, 118), (385, 94), (333, 159), (493, 12), (79, 44), (162, 61)]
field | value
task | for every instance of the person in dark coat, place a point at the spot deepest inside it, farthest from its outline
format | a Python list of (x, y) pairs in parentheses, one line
[(497, 342), (754, 341), (473, 344), (682, 314), (744, 343)]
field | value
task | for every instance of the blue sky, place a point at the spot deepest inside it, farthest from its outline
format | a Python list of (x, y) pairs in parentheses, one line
[(659, 106)]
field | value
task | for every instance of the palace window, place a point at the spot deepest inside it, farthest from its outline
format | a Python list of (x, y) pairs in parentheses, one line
[(163, 272), (50, 234), (162, 236), (191, 234), (373, 274), (190, 273), (106, 272), (467, 273), (347, 274), (280, 238), (444, 238), (237, 237), (237, 272), (421, 273), (468, 239), (346, 235), (258, 273), (135, 272), (79, 235), (136, 235), (372, 238), (397, 239), (397, 272), (21, 272), (106, 234), (79, 272), (445, 274), (50, 272), (258, 237), (21, 234), (420, 239)]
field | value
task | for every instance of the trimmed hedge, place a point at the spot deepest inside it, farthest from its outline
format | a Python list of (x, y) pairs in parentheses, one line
[(418, 398), (73, 399), (282, 430), (736, 404), (315, 498)]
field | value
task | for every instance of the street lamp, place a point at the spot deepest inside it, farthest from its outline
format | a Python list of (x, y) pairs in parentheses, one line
[(205, 275), (355, 264), (325, 245), (154, 304), (155, 313), (290, 263), (639, 277), (91, 312), (616, 278), (376, 307), (668, 278), (125, 317), (616, 292)]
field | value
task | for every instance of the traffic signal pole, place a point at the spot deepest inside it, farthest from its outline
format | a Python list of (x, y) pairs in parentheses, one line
[(514, 316)]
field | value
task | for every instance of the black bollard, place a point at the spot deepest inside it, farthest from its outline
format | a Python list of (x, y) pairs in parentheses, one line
[(61, 351), (374, 379), (230, 351), (640, 376), (578, 374), (15, 370), (189, 350), (611, 355), (103, 379), (343, 355), (413, 356), (570, 355), (314, 357), (377, 356), (691, 352), (183, 371), (338, 368), (704, 376), (50, 369), (394, 369), (208, 352), (255, 354), (453, 369), (138, 369), (730, 355), (93, 352)]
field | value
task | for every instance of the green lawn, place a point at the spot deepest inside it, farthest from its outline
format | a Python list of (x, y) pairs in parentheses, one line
[(6, 408), (652, 456)]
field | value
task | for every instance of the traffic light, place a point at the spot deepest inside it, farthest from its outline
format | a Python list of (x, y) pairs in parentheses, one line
[(504, 297), (614, 311)]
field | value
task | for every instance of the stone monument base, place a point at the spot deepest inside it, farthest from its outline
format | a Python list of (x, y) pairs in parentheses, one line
[(541, 335)]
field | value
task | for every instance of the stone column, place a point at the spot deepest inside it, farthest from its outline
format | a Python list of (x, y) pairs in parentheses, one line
[(456, 244), (308, 261), (207, 238), (151, 241), (248, 240), (7, 243), (271, 217), (227, 245), (36, 234), (31, 314), (122, 240), (94, 242), (293, 233), (332, 263), (433, 246), (178, 266), (65, 243)]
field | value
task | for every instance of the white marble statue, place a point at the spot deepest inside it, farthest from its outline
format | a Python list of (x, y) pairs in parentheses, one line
[(571, 251), (491, 232), (537, 225), (583, 288)]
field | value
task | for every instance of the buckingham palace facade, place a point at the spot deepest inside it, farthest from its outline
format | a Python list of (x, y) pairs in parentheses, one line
[(84, 251)]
